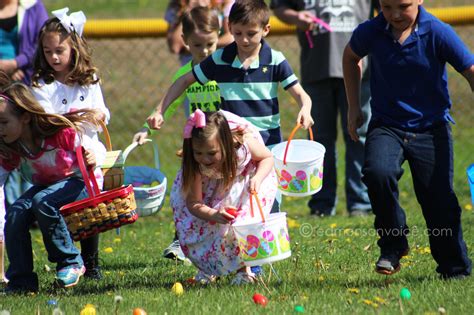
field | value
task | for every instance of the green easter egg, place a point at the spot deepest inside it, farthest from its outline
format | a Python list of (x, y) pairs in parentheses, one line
[(405, 294), (299, 309)]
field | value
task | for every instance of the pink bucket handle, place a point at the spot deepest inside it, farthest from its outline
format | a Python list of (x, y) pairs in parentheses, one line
[(291, 137)]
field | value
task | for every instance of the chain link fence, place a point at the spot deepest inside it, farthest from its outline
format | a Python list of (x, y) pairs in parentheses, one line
[(136, 72)]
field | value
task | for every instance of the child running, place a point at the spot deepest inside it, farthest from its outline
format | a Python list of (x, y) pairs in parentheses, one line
[(65, 80), (42, 146), (247, 72), (409, 49), (200, 28), (223, 160)]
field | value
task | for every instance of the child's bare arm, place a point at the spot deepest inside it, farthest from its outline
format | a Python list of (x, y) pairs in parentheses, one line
[(155, 120), (352, 78), (259, 153), (195, 205), (304, 101), (469, 75), (302, 19)]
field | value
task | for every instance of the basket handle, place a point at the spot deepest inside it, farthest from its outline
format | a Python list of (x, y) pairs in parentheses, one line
[(108, 142), (253, 195), (133, 145), (291, 138), (87, 174)]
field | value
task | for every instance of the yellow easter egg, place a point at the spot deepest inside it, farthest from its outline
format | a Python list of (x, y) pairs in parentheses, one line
[(155, 183), (315, 182), (177, 289), (88, 309)]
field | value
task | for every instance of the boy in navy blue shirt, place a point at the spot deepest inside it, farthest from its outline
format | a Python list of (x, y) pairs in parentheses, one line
[(410, 106)]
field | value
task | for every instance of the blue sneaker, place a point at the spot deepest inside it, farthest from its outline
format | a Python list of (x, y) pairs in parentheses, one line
[(257, 270), (69, 276)]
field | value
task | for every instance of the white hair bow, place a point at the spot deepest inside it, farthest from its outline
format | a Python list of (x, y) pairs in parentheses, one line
[(73, 22)]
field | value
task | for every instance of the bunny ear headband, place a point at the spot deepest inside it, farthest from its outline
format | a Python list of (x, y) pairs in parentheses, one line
[(73, 22), (196, 120)]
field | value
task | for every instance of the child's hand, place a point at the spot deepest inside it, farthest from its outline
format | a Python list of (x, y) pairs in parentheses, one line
[(89, 158), (141, 136), (18, 75), (304, 118), (221, 216), (355, 120), (155, 120), (254, 184), (305, 21)]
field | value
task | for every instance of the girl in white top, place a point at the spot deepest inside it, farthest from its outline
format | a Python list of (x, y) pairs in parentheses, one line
[(65, 80)]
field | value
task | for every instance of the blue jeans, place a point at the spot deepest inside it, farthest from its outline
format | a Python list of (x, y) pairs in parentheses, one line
[(41, 203), (329, 101), (430, 157)]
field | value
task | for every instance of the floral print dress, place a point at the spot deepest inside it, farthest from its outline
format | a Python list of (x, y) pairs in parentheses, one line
[(213, 247)]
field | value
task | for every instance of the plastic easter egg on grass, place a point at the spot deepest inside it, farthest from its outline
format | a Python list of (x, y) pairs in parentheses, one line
[(139, 311), (52, 302), (88, 309), (260, 299), (177, 289), (299, 309), (405, 294)]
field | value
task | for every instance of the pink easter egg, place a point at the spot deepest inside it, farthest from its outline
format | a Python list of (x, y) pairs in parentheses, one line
[(301, 175), (268, 236), (287, 176)]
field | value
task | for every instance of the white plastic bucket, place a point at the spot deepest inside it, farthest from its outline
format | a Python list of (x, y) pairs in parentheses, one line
[(263, 242), (149, 199), (300, 172)]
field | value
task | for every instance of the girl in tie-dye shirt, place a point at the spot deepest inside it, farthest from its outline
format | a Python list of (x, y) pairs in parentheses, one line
[(42, 146)]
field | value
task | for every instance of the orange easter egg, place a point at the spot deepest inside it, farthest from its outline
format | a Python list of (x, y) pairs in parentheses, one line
[(139, 311)]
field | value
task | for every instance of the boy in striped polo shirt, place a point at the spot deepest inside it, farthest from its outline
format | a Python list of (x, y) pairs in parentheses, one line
[(248, 72)]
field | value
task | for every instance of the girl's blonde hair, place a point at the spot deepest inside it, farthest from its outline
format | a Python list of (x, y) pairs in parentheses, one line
[(82, 69), (229, 141), (20, 100)]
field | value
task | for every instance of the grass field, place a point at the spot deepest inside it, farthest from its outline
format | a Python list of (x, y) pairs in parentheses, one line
[(331, 267)]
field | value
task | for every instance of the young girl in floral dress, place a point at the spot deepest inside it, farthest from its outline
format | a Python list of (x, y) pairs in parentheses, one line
[(224, 160)]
